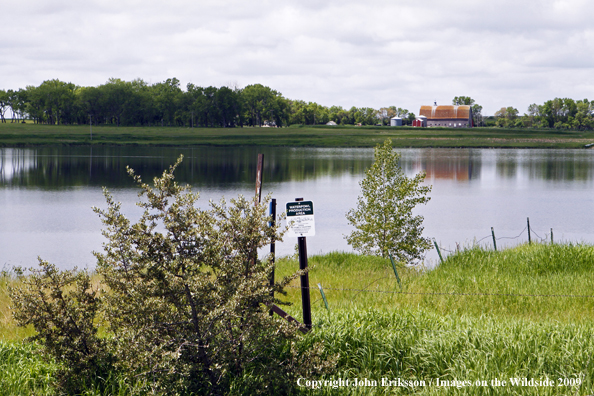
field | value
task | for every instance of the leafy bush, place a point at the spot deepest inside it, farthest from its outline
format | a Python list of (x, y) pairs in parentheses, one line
[(62, 307), (186, 299)]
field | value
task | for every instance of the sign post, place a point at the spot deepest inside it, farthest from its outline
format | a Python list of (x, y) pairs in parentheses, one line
[(300, 219), (272, 245)]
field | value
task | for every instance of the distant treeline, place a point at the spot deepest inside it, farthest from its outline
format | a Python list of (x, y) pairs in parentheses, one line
[(559, 113), (137, 103)]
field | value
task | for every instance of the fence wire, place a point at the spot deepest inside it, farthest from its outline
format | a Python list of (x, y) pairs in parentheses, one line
[(367, 290), (448, 294)]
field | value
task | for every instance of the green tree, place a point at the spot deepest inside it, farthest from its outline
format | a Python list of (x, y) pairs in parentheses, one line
[(477, 116), (260, 104), (167, 95), (3, 104), (383, 220), (463, 100)]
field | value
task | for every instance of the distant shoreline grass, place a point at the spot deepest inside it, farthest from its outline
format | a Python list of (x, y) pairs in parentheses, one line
[(27, 135)]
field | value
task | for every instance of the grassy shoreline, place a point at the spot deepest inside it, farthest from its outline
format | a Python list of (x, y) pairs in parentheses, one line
[(26, 135), (522, 312)]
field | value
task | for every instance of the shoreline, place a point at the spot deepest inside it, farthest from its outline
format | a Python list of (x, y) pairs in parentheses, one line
[(35, 135)]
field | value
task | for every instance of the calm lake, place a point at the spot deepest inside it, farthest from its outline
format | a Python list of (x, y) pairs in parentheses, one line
[(46, 194)]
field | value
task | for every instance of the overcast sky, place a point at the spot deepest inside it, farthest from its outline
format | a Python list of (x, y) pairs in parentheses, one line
[(350, 53)]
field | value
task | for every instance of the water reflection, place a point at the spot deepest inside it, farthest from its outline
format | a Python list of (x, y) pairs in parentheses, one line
[(54, 168), (64, 167), (47, 193)]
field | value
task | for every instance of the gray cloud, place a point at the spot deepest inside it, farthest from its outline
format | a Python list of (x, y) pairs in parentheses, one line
[(377, 53)]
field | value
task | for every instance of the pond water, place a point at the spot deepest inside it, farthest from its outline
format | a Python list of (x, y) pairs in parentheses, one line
[(46, 194)]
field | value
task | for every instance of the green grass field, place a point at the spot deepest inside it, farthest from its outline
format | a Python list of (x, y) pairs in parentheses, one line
[(525, 312), (14, 135)]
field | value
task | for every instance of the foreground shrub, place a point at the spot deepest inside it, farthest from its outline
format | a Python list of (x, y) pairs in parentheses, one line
[(185, 303), (62, 307)]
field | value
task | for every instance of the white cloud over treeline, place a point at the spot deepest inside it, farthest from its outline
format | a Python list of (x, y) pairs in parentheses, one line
[(374, 53)]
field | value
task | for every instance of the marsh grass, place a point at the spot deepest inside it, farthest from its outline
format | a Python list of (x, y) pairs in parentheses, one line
[(417, 344), (12, 135), (535, 282)]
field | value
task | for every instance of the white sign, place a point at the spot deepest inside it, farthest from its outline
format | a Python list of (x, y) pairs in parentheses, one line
[(300, 219)]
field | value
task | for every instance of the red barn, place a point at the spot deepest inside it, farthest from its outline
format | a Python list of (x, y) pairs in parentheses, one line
[(447, 116)]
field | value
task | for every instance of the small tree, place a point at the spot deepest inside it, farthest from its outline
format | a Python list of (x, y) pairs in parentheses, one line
[(383, 218)]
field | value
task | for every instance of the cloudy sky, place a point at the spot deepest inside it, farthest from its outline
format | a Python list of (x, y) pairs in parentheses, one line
[(350, 53)]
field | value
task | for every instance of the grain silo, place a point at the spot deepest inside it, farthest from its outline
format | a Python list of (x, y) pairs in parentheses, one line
[(395, 121)]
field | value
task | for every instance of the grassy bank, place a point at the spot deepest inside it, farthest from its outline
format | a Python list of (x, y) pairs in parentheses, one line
[(532, 282), (13, 135), (525, 312)]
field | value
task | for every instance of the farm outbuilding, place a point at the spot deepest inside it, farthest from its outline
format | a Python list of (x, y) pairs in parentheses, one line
[(395, 121), (447, 116), (420, 122)]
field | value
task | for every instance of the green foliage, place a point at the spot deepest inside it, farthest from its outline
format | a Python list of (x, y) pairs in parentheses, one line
[(463, 100), (261, 104), (383, 218), (417, 344), (62, 307), (24, 370), (185, 301)]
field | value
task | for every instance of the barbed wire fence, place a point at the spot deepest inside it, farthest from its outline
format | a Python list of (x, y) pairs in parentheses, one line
[(548, 237)]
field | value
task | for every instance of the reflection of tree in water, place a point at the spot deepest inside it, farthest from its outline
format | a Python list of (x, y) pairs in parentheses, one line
[(64, 167), (568, 167), (61, 167), (506, 165)]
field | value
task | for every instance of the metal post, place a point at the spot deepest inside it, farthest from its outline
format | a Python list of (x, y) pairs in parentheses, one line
[(323, 296), (529, 240), (551, 235), (494, 243), (272, 245), (438, 251), (305, 300), (395, 272)]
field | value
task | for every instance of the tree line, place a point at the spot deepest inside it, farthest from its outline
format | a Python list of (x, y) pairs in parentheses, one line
[(137, 103), (558, 113)]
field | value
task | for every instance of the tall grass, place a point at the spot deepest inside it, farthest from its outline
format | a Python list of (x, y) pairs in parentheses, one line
[(23, 371), (537, 282), (417, 344)]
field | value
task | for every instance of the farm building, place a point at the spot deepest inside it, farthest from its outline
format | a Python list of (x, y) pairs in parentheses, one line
[(446, 116), (395, 121)]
